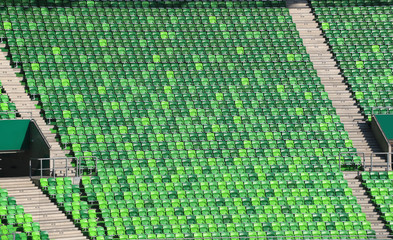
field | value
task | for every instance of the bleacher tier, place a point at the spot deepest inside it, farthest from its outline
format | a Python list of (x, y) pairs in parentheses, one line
[(207, 118)]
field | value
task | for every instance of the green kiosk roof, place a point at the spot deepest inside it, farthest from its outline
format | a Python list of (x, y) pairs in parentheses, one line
[(386, 124), (13, 134)]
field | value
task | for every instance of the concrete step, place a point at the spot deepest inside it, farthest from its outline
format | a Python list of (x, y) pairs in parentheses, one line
[(49, 212), (41, 208), (329, 72)]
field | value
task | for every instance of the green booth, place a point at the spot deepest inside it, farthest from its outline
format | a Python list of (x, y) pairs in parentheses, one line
[(20, 141)]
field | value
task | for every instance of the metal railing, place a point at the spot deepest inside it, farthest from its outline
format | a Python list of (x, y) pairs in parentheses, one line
[(388, 162), (345, 154), (370, 157), (47, 167)]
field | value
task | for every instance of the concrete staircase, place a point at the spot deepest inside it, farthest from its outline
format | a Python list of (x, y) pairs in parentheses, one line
[(44, 212), (27, 108), (346, 107), (367, 207), (358, 130)]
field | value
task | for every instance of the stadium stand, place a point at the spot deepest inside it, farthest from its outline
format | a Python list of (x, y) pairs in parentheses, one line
[(108, 131), (359, 33), (358, 130), (379, 185), (208, 119), (336, 85)]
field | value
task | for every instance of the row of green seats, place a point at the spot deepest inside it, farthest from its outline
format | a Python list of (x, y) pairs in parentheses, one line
[(271, 5), (189, 194), (287, 61), (213, 141), (228, 227), (227, 50), (239, 121), (252, 218), (148, 21), (334, 234), (355, 4), (272, 168), (195, 155), (193, 106), (110, 198), (269, 123), (172, 174), (168, 15), (362, 51), (199, 183)]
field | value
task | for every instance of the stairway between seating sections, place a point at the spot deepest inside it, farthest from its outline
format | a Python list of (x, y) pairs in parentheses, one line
[(43, 211), (354, 123), (27, 109), (358, 130), (367, 207)]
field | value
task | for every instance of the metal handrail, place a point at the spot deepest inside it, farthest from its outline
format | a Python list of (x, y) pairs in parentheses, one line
[(341, 154), (52, 168), (52, 165), (388, 162)]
